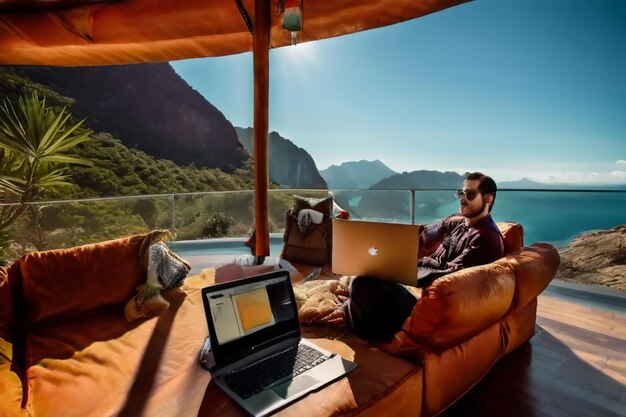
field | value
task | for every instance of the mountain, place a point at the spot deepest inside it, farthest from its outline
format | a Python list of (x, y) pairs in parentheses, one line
[(289, 165), (523, 183), (390, 198), (526, 183), (422, 179), (148, 107), (356, 175)]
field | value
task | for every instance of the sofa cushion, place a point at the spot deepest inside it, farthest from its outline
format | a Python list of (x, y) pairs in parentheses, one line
[(102, 365), (314, 244), (323, 205), (513, 236), (151, 368), (381, 384), (69, 282)]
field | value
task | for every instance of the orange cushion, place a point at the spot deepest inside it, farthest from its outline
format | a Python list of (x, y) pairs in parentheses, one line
[(513, 235), (102, 365), (69, 282)]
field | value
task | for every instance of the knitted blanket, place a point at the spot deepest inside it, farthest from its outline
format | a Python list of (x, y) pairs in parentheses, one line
[(320, 301)]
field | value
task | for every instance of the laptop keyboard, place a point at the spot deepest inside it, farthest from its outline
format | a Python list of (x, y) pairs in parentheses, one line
[(253, 379)]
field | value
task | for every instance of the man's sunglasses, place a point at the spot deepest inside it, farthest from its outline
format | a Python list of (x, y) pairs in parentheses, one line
[(469, 194)]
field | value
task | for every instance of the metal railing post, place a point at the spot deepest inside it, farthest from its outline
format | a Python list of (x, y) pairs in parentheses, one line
[(174, 215), (412, 205)]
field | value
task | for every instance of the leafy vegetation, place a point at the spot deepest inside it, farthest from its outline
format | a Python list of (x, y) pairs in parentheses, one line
[(118, 170), (217, 225), (35, 145)]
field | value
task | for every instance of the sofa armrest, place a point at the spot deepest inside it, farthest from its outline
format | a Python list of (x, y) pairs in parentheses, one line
[(460, 305), (535, 266)]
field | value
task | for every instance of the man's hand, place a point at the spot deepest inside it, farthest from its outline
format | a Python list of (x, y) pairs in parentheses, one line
[(343, 214), (429, 262)]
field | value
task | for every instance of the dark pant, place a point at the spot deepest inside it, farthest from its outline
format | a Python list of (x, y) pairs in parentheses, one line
[(376, 309)]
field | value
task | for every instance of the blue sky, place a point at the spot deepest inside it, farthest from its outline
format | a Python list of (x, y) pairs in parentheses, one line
[(515, 88)]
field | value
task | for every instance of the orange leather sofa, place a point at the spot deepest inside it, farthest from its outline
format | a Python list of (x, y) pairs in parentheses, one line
[(67, 350)]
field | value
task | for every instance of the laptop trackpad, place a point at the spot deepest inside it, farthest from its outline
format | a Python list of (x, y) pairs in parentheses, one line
[(295, 386)]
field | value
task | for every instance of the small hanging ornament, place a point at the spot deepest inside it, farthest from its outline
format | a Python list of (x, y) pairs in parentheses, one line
[(292, 18)]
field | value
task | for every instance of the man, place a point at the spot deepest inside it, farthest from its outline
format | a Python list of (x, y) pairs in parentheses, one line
[(376, 309)]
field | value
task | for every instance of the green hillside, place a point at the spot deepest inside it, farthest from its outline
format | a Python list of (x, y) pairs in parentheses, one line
[(118, 170)]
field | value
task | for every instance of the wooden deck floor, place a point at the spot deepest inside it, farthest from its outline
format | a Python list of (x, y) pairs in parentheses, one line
[(575, 365)]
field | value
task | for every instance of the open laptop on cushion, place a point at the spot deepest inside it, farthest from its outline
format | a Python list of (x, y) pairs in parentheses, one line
[(255, 351), (381, 250)]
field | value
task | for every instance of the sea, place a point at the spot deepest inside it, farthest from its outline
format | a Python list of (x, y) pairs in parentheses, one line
[(555, 217)]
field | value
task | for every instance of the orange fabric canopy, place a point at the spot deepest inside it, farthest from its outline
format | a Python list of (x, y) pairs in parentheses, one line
[(97, 32), (91, 32)]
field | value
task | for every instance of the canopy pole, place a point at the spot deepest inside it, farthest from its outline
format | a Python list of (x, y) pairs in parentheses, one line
[(261, 58)]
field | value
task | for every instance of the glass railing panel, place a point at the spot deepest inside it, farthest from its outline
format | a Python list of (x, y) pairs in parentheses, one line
[(555, 217), (376, 205), (214, 215), (231, 214), (281, 200), (52, 225)]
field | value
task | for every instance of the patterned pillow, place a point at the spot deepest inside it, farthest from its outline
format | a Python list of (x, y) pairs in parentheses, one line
[(323, 205)]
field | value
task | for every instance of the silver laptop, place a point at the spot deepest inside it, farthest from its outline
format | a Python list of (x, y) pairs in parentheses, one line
[(255, 351), (381, 250)]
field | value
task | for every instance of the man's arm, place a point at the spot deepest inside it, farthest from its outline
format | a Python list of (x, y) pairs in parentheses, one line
[(434, 232)]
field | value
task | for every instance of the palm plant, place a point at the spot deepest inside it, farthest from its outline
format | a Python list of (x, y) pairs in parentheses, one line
[(35, 145)]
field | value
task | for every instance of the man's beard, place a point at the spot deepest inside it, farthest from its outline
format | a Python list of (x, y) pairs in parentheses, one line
[(476, 212)]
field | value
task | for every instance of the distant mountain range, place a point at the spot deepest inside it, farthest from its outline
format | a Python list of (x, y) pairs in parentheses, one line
[(356, 175), (422, 179), (376, 175), (529, 184), (289, 165)]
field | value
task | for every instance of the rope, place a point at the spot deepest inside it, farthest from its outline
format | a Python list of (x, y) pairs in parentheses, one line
[(245, 17)]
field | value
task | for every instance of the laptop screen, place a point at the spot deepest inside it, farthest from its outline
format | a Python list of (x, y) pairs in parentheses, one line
[(249, 314)]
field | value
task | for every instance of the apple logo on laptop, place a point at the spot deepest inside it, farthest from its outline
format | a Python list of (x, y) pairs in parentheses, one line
[(373, 251)]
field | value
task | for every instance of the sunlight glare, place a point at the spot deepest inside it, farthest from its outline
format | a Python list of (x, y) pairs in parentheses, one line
[(300, 54)]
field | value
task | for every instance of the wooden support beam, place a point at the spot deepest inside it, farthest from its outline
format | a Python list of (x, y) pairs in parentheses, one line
[(261, 58)]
